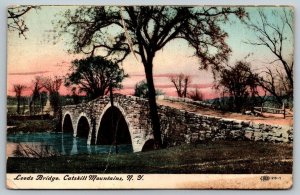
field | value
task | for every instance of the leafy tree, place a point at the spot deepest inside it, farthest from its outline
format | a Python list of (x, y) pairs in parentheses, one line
[(181, 83), (275, 33), (15, 17), (145, 30), (93, 75), (18, 89), (239, 82), (141, 90)]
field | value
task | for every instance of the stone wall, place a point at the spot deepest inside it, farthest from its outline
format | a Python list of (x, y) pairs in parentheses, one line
[(185, 100), (179, 126)]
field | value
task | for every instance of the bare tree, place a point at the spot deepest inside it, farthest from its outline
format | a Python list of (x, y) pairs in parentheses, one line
[(52, 85), (181, 83), (18, 89), (275, 32), (196, 95), (144, 30), (16, 21), (36, 88), (274, 84)]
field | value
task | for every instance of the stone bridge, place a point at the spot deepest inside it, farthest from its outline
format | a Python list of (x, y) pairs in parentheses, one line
[(130, 115), (128, 122)]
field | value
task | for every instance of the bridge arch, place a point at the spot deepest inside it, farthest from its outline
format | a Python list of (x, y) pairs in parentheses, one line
[(148, 145), (67, 124), (83, 126), (123, 126)]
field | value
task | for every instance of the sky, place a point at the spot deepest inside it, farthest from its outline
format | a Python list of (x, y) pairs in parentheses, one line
[(37, 55)]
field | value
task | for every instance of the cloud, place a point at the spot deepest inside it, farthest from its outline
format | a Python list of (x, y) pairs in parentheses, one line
[(158, 75), (28, 73)]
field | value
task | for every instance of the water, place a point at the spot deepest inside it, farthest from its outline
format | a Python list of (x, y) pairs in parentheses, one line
[(54, 144)]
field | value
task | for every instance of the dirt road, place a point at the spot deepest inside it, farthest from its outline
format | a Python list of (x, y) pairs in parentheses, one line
[(272, 119)]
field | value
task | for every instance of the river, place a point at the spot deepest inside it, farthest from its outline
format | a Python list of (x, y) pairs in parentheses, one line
[(55, 144)]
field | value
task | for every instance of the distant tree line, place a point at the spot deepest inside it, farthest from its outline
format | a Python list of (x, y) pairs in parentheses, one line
[(41, 89)]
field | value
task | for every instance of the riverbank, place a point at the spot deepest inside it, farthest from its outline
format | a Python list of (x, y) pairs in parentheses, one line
[(221, 157), (30, 125)]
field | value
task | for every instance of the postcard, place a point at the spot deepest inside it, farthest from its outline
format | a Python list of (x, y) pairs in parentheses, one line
[(150, 97)]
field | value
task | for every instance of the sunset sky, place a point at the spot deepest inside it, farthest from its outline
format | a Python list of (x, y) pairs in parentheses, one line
[(38, 55)]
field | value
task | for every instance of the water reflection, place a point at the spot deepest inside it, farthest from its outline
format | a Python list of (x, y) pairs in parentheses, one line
[(33, 150), (54, 144)]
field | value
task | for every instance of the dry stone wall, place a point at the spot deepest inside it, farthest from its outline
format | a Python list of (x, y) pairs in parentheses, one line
[(181, 126)]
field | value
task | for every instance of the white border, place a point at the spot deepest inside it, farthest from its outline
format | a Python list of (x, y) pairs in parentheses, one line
[(3, 5)]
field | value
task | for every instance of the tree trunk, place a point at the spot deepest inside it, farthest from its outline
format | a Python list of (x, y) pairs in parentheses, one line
[(153, 106), (185, 88), (23, 101), (41, 104), (18, 106), (33, 107), (30, 107)]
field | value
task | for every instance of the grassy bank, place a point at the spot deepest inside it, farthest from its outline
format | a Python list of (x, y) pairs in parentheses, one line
[(215, 157)]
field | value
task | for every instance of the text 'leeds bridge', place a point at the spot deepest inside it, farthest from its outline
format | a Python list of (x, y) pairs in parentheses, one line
[(129, 122)]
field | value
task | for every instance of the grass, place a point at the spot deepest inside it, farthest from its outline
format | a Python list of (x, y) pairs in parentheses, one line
[(220, 157), (12, 108)]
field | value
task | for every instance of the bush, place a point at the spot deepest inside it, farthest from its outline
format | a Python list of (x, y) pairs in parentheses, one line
[(196, 95), (141, 90)]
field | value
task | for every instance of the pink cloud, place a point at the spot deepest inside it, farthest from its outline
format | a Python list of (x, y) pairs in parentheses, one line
[(158, 75), (28, 73)]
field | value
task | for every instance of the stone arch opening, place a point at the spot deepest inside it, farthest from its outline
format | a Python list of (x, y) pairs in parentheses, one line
[(83, 128), (67, 124), (113, 128), (148, 146)]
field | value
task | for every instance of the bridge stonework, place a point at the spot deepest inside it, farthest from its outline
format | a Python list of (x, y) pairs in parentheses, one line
[(134, 110), (177, 126)]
